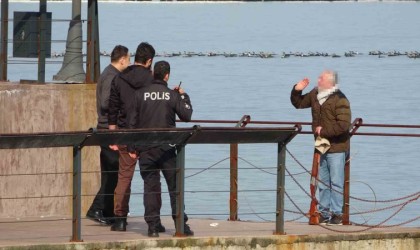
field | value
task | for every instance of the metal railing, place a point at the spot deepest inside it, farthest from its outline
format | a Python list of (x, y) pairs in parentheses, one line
[(205, 135), (354, 130), (181, 137)]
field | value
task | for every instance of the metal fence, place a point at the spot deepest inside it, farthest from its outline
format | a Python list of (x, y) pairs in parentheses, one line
[(180, 137), (238, 134)]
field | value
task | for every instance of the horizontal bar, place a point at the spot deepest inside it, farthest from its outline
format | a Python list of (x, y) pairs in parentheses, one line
[(280, 123), (305, 123), (387, 134), (390, 125), (212, 121), (51, 20)]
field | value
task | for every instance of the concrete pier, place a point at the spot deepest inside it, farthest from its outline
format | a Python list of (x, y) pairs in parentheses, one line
[(35, 108), (209, 234)]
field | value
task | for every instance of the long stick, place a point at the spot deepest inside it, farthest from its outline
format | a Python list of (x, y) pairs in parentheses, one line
[(313, 211)]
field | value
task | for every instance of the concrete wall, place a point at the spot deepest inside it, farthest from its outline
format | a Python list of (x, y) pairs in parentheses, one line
[(357, 241), (32, 108)]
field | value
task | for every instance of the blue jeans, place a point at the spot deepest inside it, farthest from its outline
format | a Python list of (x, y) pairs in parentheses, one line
[(331, 173)]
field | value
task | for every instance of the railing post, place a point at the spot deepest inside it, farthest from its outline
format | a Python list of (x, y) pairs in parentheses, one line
[(346, 189), (4, 39), (281, 169), (77, 185), (233, 201), (42, 40), (180, 177)]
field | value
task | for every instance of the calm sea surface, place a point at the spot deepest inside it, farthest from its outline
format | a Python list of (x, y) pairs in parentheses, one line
[(381, 90)]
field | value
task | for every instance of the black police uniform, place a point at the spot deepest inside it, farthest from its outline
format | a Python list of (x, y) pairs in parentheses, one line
[(155, 107)]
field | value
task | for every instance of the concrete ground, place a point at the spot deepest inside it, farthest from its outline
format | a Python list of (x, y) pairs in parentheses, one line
[(14, 233)]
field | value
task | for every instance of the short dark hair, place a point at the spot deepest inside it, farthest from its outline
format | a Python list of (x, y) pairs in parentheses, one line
[(144, 52), (161, 69), (118, 52)]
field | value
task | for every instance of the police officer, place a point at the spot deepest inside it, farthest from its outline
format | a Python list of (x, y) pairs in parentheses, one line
[(155, 107)]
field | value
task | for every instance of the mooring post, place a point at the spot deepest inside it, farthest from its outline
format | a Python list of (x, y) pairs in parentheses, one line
[(281, 169), (180, 178), (233, 201), (4, 39), (77, 186)]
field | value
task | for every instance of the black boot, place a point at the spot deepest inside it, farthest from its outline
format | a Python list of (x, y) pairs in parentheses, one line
[(153, 232), (120, 224), (188, 231), (161, 228)]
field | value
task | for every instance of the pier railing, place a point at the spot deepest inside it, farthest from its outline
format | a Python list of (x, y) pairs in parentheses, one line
[(233, 132), (181, 137), (306, 130)]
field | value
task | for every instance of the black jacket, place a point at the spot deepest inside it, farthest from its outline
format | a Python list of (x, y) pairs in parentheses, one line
[(156, 106), (123, 88)]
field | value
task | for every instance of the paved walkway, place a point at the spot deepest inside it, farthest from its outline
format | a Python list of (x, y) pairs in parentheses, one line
[(59, 232)]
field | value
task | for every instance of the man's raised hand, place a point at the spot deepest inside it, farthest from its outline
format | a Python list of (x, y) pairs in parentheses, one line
[(302, 84)]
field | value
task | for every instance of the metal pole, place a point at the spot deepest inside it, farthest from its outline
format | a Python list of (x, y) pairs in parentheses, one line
[(346, 189), (41, 40), (93, 60), (4, 38), (281, 169), (97, 56), (180, 177), (233, 200), (77, 186)]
